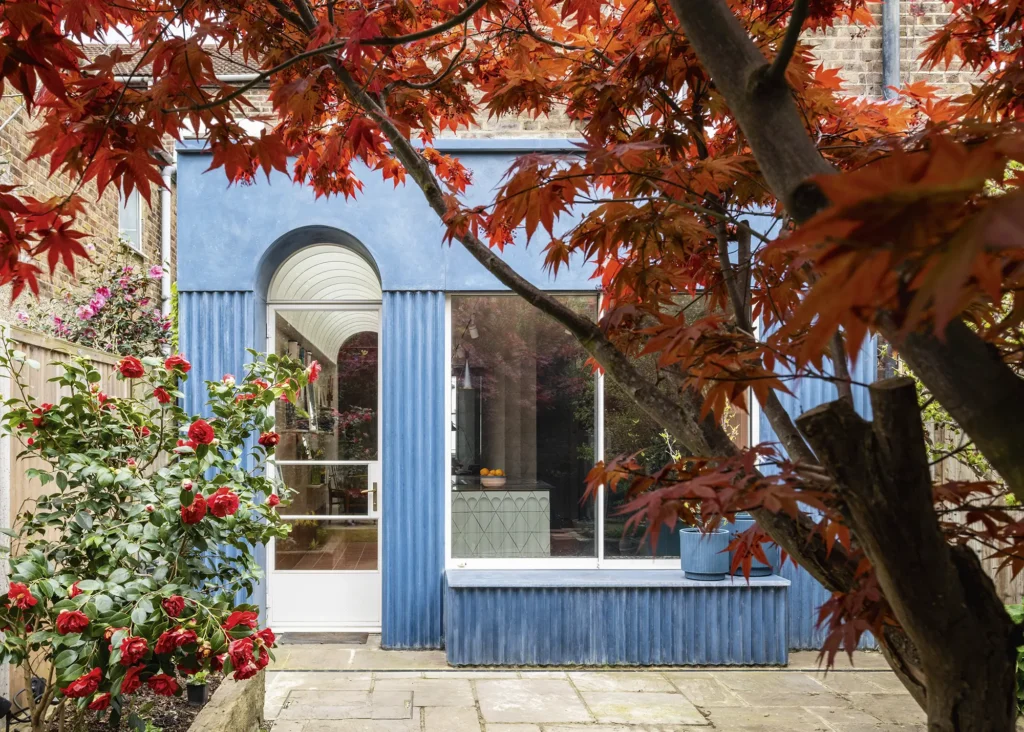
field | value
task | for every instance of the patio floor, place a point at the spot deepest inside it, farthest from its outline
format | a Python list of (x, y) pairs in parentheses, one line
[(361, 688)]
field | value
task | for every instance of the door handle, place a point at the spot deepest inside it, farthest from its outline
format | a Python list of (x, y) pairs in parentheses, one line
[(374, 492)]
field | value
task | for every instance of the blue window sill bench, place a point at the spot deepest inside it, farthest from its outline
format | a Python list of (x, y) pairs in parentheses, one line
[(612, 618)]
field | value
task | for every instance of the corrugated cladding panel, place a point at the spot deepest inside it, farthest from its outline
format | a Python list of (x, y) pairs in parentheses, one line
[(617, 626), (214, 329), (805, 594), (413, 464)]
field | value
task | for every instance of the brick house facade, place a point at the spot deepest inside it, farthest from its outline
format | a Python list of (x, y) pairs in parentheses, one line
[(100, 220)]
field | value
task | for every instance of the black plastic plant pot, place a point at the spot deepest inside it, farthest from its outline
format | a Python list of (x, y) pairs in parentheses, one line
[(198, 694)]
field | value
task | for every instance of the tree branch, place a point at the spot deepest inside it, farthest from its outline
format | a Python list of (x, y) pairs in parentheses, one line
[(777, 72), (939, 594), (971, 382)]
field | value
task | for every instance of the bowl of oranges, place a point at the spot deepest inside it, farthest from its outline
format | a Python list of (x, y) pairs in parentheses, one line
[(492, 478)]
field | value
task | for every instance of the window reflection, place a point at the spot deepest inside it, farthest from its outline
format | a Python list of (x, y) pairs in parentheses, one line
[(334, 418), (523, 408)]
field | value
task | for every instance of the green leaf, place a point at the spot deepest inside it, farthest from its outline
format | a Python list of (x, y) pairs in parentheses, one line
[(103, 603), (65, 658), (139, 616), (84, 520), (119, 576), (88, 585)]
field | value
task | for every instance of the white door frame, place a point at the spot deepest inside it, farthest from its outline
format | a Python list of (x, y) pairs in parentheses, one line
[(362, 580)]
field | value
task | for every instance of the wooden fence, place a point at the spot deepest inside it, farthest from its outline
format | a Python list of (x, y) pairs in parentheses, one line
[(17, 490)]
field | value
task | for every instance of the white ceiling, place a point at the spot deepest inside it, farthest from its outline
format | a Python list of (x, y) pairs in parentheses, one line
[(326, 273)]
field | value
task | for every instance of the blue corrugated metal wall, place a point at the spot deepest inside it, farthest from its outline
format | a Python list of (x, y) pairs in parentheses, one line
[(805, 594), (215, 329), (626, 626), (413, 463)]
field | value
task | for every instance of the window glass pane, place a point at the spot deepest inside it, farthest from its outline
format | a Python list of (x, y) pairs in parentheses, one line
[(340, 420), (327, 490), (327, 545), (523, 403), (627, 431), (129, 219)]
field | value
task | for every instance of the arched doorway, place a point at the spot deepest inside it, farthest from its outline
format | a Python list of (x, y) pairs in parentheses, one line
[(323, 304)]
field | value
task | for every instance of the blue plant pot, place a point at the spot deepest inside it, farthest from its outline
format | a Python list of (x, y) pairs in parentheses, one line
[(757, 568), (704, 556)]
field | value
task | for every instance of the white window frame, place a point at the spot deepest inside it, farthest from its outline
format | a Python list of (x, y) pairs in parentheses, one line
[(122, 206), (596, 562)]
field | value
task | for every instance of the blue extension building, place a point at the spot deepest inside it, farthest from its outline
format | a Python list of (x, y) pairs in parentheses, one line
[(433, 373)]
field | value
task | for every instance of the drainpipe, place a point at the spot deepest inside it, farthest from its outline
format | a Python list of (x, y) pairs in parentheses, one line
[(890, 47), (167, 173)]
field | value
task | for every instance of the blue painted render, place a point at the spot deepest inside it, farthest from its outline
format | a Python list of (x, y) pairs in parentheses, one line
[(412, 368), (806, 595), (215, 329), (224, 233), (607, 617)]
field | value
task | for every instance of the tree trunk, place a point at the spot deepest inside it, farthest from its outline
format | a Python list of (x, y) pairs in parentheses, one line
[(939, 593)]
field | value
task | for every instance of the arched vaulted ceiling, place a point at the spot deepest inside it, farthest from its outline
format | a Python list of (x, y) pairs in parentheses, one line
[(327, 273)]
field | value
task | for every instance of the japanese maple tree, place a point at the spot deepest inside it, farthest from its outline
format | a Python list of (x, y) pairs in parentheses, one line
[(901, 221)]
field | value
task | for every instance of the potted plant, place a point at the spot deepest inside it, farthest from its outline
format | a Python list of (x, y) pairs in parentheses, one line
[(197, 689), (757, 568), (704, 555)]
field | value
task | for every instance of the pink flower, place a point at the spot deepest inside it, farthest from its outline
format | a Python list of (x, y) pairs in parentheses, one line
[(156, 272), (103, 292), (22, 316), (84, 312)]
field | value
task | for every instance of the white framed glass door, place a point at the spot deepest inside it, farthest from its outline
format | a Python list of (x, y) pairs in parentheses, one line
[(325, 576)]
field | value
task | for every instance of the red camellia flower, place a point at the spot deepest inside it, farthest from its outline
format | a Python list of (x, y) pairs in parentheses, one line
[(161, 395), (244, 397), (313, 371), (73, 591), (133, 650), (39, 411), (131, 681), (241, 653), (200, 431), (71, 621), (163, 685), (174, 605), (177, 362), (171, 639), (262, 383), (188, 443), (20, 596), (241, 617), (131, 368), (267, 636), (217, 663), (269, 439), (223, 502), (100, 702), (194, 514), (273, 500), (84, 685)]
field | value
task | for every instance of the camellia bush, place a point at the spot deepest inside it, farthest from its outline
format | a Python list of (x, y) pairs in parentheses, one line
[(126, 571)]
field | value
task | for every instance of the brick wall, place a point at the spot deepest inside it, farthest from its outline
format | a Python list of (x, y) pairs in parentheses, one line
[(857, 50), (100, 220)]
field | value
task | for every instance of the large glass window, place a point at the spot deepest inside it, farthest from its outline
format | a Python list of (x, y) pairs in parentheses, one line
[(523, 412), (522, 423)]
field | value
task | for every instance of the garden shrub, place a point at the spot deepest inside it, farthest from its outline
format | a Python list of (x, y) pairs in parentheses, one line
[(126, 571)]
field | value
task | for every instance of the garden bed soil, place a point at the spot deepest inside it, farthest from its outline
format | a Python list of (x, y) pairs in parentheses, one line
[(168, 713)]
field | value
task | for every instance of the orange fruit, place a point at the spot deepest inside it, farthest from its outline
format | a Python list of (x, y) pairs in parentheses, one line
[(499, 472), (485, 471)]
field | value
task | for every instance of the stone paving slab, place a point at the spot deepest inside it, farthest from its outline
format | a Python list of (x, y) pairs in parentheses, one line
[(542, 701), (620, 707), (350, 688)]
